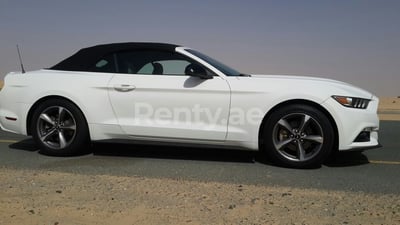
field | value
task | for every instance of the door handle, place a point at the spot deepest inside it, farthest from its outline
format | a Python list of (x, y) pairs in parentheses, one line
[(124, 87)]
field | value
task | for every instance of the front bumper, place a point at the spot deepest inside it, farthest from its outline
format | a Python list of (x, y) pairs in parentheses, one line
[(353, 123)]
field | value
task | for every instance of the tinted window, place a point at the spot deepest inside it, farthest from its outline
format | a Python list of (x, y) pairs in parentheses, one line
[(152, 62), (168, 67), (105, 65)]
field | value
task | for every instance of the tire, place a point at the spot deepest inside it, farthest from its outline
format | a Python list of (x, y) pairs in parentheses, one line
[(298, 136), (59, 128)]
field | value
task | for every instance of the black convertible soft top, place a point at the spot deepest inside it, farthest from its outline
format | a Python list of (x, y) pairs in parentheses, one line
[(86, 57)]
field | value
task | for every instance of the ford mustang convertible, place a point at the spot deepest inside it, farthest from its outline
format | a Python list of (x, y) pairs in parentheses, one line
[(169, 94)]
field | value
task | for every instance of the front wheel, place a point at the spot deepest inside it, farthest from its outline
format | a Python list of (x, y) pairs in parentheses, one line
[(298, 136), (59, 128)]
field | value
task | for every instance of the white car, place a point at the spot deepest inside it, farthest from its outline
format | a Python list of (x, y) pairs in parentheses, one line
[(164, 93)]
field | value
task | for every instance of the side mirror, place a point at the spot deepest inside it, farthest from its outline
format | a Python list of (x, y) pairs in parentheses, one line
[(196, 70)]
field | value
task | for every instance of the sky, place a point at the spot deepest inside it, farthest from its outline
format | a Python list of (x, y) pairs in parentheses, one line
[(355, 41)]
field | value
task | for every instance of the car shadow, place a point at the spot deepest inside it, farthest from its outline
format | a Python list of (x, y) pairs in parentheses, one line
[(340, 159), (347, 159), (25, 145), (173, 152), (152, 151)]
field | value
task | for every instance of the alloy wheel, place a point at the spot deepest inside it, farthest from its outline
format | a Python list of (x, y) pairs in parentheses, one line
[(298, 137), (56, 127)]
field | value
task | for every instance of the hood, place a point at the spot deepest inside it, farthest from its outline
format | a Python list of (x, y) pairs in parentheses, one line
[(342, 88)]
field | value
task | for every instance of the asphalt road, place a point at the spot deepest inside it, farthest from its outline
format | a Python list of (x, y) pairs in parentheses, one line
[(372, 171)]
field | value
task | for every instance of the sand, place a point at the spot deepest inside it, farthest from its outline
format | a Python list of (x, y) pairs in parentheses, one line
[(389, 108), (46, 197)]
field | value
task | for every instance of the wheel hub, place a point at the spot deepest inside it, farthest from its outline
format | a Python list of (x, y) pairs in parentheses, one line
[(298, 137), (56, 127)]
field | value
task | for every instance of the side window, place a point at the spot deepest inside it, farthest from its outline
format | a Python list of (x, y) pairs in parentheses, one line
[(165, 67), (153, 62), (146, 69), (105, 65)]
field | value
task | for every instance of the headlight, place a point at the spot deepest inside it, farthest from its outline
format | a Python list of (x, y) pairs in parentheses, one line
[(352, 102)]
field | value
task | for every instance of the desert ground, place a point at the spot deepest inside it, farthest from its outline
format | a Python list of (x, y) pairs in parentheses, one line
[(46, 197), (389, 108), (53, 197)]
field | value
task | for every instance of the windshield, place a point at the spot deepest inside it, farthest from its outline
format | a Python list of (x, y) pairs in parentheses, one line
[(220, 66)]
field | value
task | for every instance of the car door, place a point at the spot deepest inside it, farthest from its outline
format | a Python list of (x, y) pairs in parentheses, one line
[(152, 97)]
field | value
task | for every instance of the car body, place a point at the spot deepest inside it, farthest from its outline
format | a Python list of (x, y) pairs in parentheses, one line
[(164, 93)]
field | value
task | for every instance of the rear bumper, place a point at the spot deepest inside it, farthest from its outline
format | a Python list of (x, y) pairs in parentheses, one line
[(12, 115)]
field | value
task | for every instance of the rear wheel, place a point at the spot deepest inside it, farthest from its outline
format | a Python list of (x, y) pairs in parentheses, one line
[(298, 136), (59, 128)]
